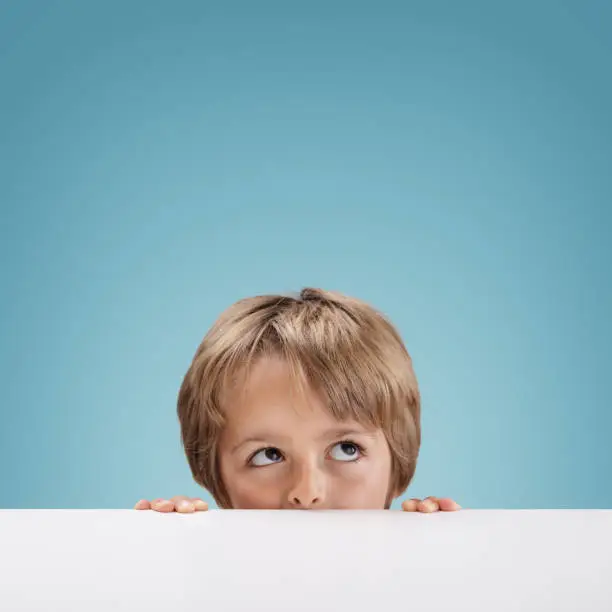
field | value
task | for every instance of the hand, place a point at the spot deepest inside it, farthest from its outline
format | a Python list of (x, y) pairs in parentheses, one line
[(179, 503), (430, 504)]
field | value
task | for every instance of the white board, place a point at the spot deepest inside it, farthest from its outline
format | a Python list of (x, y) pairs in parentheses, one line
[(353, 561)]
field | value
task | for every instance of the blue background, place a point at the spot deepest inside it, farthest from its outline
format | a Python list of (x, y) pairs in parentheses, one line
[(449, 162)]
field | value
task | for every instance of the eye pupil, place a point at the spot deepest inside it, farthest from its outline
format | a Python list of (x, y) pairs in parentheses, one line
[(348, 448), (272, 454)]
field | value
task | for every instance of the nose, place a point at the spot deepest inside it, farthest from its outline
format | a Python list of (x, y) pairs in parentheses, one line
[(307, 491)]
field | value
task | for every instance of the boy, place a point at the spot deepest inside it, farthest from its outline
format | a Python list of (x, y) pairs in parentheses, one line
[(305, 402)]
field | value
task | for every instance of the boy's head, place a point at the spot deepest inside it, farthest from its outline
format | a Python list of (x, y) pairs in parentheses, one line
[(301, 402)]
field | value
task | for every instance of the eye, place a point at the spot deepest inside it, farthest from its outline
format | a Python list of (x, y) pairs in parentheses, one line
[(346, 451), (266, 456)]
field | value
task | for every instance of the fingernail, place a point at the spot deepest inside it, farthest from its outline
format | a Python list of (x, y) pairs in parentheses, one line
[(186, 506)]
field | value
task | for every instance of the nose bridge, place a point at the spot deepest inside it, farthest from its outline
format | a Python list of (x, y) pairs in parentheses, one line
[(308, 484)]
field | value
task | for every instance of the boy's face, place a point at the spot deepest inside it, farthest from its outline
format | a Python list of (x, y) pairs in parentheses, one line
[(282, 451)]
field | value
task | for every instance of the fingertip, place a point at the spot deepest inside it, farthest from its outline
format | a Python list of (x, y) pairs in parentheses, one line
[(143, 504), (162, 505), (184, 506), (199, 504), (410, 505), (428, 505), (449, 505)]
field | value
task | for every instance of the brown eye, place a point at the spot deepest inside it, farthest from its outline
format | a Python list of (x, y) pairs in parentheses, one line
[(266, 456)]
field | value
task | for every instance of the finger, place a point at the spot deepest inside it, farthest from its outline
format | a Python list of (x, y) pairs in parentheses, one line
[(410, 505), (430, 504), (185, 506), (143, 504), (200, 504), (162, 505), (448, 505)]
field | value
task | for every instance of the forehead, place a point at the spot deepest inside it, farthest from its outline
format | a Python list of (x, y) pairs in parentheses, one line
[(269, 397)]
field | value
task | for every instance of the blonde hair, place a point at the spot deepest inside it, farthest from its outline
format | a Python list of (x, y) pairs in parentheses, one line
[(338, 345)]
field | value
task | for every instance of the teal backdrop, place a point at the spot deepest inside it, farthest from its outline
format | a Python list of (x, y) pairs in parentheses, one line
[(449, 162)]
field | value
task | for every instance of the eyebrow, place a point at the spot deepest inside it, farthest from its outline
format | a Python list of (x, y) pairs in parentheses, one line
[(330, 433)]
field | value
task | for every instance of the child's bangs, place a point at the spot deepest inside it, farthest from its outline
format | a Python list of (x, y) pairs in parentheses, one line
[(347, 377), (326, 353), (346, 390)]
